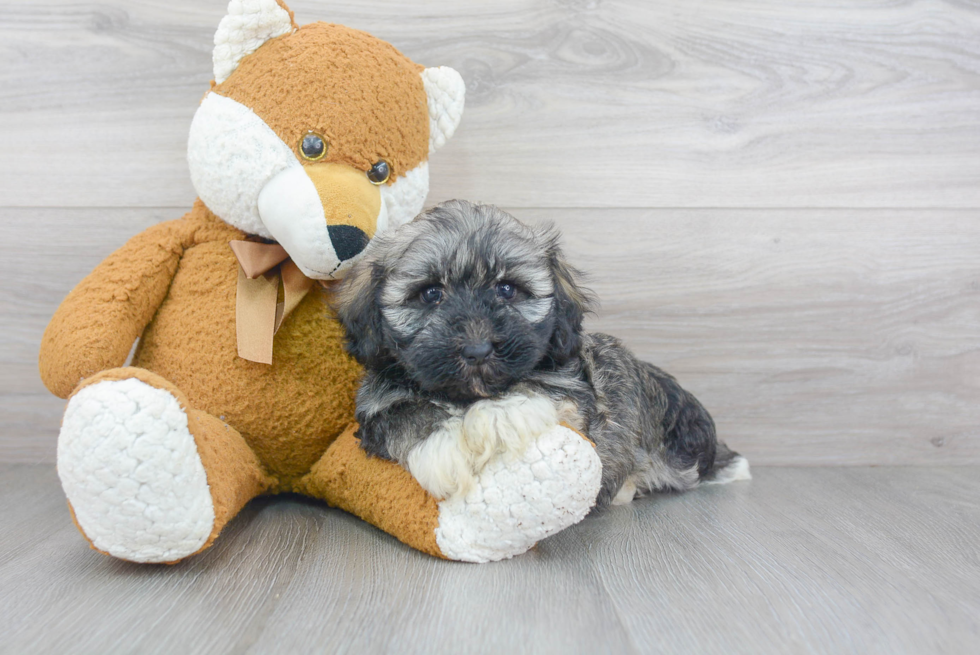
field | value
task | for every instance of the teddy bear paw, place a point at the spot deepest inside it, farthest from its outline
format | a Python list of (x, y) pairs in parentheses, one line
[(130, 468), (516, 502)]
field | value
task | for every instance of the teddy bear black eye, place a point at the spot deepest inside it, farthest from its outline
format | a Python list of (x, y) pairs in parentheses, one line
[(312, 146), (506, 290), (431, 295), (379, 173)]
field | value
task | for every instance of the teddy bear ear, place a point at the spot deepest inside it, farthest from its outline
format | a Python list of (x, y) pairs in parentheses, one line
[(247, 25), (446, 91)]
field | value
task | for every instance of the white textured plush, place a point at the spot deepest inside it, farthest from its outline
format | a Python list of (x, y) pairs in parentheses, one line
[(405, 197), (248, 24), (446, 94), (516, 502), (232, 154), (131, 471), (292, 211)]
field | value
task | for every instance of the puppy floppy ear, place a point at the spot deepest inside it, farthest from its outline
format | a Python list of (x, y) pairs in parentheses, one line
[(358, 306), (571, 303)]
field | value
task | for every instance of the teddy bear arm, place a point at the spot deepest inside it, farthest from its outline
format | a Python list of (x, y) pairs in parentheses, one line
[(96, 325), (517, 501)]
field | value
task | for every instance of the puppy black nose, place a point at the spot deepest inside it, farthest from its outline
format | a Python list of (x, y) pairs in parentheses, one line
[(475, 353), (347, 240)]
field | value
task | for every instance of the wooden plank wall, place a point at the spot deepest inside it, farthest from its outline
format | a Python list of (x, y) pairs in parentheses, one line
[(778, 202)]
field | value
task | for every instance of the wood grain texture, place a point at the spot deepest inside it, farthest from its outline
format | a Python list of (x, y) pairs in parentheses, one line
[(582, 103), (798, 560), (46, 253), (813, 336)]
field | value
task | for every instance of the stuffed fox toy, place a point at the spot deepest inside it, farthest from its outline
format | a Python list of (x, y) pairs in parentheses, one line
[(311, 141)]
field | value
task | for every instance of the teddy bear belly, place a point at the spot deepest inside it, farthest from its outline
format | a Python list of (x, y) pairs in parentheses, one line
[(289, 411)]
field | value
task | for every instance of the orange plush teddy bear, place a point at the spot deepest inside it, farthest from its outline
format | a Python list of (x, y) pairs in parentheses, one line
[(310, 141)]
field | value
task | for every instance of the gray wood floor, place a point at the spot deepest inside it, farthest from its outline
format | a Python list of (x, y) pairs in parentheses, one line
[(818, 560)]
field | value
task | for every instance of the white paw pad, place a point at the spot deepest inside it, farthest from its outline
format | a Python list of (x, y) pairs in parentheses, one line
[(516, 502), (130, 469)]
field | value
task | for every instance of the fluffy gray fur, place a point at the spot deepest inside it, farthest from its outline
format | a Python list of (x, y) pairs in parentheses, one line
[(648, 431)]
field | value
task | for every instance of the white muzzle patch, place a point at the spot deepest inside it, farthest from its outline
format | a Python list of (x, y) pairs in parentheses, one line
[(292, 212), (232, 154)]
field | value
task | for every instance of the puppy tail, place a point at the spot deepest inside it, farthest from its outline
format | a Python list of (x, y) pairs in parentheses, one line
[(729, 466)]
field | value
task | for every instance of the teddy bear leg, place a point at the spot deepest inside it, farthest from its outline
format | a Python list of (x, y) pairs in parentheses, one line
[(515, 503), (379, 491), (148, 478)]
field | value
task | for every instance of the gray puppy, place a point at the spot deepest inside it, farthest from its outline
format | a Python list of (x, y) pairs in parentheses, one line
[(469, 326)]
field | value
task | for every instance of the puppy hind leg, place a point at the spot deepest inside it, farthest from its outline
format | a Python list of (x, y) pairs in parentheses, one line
[(619, 467), (653, 474), (626, 494), (729, 466), (691, 443), (693, 452)]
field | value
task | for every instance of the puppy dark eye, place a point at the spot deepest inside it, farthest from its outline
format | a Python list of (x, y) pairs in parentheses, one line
[(379, 173), (506, 290), (431, 295)]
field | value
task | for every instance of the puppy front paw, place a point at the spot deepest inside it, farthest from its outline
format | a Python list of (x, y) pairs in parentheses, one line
[(505, 426), (448, 462), (442, 464)]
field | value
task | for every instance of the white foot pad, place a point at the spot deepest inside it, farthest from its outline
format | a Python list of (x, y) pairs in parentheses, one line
[(131, 471), (519, 501)]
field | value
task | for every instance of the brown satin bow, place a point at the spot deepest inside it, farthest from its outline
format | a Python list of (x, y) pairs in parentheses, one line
[(258, 312)]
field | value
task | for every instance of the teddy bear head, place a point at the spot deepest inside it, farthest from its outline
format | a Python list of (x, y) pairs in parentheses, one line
[(318, 136)]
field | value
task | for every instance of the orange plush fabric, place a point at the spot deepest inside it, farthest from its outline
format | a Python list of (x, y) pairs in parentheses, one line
[(234, 473), (96, 325), (383, 115), (386, 497), (261, 428), (289, 411)]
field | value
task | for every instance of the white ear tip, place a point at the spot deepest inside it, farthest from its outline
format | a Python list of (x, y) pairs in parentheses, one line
[(247, 25), (446, 93)]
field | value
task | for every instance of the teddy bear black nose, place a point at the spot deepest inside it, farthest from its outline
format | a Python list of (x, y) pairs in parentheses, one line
[(475, 353), (347, 240)]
